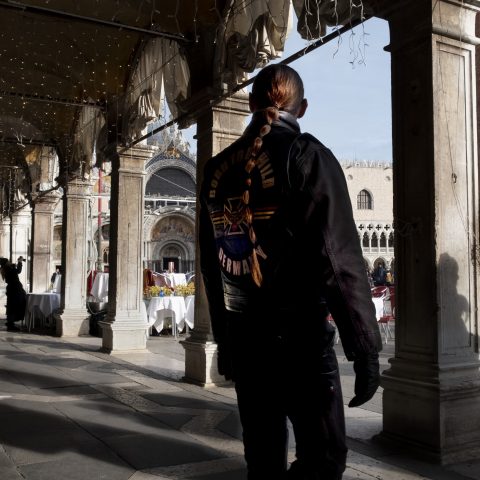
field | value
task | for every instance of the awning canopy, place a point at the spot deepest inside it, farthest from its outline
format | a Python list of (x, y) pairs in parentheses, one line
[(78, 74)]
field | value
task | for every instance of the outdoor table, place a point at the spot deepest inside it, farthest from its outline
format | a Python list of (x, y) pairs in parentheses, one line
[(40, 306)]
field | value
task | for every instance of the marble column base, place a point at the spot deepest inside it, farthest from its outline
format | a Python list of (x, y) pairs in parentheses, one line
[(436, 417), (201, 364), (72, 323), (124, 335)]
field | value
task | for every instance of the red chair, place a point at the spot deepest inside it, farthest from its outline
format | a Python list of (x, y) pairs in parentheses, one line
[(379, 291)]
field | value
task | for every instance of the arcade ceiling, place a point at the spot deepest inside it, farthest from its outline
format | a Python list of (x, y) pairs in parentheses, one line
[(79, 76)]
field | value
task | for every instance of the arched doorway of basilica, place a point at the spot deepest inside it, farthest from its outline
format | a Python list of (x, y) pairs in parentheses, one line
[(172, 239)]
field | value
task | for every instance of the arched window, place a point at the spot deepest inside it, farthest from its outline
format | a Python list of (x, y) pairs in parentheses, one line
[(365, 242), (390, 240), (364, 200), (383, 240), (106, 253), (374, 240)]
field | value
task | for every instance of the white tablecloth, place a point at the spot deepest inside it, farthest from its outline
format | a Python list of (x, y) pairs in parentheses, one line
[(100, 287), (160, 307), (190, 310), (40, 305)]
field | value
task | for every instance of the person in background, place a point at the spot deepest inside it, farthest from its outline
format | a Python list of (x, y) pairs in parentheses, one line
[(16, 295), (53, 278), (273, 199), (379, 275)]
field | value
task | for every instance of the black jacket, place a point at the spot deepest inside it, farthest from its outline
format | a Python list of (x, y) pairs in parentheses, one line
[(16, 295), (307, 243)]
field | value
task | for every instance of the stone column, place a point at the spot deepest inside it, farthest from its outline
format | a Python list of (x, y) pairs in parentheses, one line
[(22, 226), (74, 320), (217, 128), (42, 241), (431, 398), (126, 326)]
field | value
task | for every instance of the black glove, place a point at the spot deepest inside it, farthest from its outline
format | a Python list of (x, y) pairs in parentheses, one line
[(367, 379)]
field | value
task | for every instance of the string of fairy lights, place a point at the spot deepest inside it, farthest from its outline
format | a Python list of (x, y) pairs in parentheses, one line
[(91, 67)]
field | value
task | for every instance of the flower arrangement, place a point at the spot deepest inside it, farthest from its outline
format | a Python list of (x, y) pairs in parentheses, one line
[(185, 290), (165, 291), (156, 291)]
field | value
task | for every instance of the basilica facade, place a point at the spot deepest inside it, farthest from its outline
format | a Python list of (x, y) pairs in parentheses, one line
[(169, 217)]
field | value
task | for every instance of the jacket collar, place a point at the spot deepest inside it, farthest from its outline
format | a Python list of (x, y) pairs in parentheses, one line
[(286, 120)]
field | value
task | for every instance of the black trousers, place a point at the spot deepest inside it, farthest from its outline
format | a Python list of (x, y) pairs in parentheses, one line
[(292, 376)]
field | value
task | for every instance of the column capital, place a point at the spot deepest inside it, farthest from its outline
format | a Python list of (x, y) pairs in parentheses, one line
[(135, 154), (25, 211), (79, 187), (219, 125), (454, 19), (46, 203)]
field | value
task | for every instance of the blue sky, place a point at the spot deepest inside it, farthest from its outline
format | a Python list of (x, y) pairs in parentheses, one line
[(347, 85)]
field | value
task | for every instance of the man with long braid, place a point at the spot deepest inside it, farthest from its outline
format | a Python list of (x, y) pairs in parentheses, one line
[(274, 202)]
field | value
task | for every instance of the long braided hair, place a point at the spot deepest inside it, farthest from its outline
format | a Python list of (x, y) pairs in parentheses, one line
[(276, 88)]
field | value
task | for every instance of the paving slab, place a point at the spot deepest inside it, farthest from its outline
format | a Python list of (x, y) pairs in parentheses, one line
[(69, 411), (221, 467), (78, 466), (10, 473), (469, 469), (44, 446), (164, 448)]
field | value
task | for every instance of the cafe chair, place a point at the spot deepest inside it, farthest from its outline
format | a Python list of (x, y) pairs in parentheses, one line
[(388, 315), (160, 280)]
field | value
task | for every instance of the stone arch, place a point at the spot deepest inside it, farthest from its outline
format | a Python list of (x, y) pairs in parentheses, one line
[(379, 260), (172, 230), (106, 254), (162, 163), (183, 168), (154, 223)]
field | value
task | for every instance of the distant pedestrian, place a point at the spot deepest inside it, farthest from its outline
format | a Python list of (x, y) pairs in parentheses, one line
[(16, 295), (379, 275), (58, 271)]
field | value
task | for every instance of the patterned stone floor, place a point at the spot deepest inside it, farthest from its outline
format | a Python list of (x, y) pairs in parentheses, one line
[(68, 411)]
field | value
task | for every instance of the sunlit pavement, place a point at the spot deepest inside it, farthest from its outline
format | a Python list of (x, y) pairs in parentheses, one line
[(68, 411)]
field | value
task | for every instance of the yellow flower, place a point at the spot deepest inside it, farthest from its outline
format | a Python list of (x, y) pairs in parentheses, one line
[(185, 290), (154, 291)]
